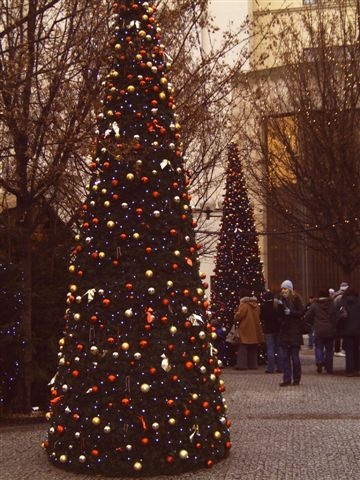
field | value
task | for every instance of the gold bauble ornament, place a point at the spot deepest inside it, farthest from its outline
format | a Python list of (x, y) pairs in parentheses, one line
[(169, 283), (184, 454), (107, 204), (136, 236), (73, 288), (137, 466), (62, 342), (104, 191), (128, 313), (130, 177), (177, 253), (196, 359), (163, 80), (172, 421), (96, 421), (101, 255), (142, 33), (125, 346), (145, 388), (117, 46), (173, 330), (77, 317), (149, 274), (72, 268), (63, 458), (110, 224), (217, 435), (131, 89), (162, 96)]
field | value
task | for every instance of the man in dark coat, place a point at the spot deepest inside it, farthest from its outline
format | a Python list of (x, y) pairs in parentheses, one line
[(320, 316), (347, 315)]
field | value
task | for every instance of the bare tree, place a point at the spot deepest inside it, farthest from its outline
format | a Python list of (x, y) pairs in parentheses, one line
[(302, 144), (49, 70)]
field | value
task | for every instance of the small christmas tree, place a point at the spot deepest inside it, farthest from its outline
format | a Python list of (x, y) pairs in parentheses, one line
[(137, 391), (238, 258)]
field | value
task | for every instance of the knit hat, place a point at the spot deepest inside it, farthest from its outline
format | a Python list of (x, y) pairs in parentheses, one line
[(344, 286), (287, 284)]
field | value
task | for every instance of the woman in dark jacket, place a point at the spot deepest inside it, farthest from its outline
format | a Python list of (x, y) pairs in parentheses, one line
[(291, 310), (320, 315), (348, 325)]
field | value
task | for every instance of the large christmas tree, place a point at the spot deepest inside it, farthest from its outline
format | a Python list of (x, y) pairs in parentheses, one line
[(238, 263), (137, 391)]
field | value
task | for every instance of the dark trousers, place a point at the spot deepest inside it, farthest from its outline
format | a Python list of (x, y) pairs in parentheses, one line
[(352, 358), (290, 356), (247, 356), (324, 351)]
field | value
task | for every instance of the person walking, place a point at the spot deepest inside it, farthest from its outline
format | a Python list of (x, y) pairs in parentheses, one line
[(320, 316), (291, 311), (269, 317), (347, 314), (247, 320)]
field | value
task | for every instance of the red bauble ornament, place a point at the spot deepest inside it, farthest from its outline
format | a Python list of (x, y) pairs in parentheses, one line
[(106, 302), (189, 365), (143, 344), (111, 378)]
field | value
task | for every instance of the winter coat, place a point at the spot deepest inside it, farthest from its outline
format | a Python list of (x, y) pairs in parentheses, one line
[(350, 326), (291, 325), (247, 318), (269, 316), (320, 315)]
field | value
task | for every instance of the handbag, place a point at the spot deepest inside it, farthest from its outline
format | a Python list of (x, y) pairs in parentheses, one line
[(233, 336)]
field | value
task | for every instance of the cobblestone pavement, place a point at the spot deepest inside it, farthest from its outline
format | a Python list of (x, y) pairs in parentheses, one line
[(306, 432)]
